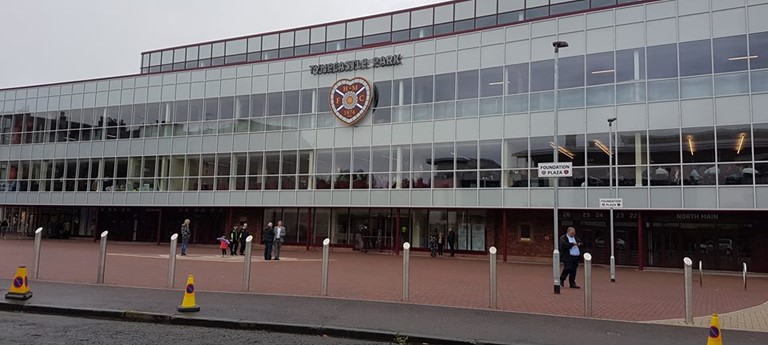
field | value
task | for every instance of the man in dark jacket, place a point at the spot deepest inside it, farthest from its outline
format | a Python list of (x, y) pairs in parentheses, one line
[(569, 256), (234, 239), (267, 237), (451, 240), (243, 235)]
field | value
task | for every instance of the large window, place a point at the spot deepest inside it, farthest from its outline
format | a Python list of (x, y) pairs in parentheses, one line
[(662, 61)]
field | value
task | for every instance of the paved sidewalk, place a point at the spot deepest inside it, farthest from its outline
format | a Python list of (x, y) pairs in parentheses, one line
[(452, 282), (356, 319), (750, 319)]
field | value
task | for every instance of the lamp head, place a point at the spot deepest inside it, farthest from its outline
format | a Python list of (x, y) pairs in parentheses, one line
[(610, 121), (559, 44)]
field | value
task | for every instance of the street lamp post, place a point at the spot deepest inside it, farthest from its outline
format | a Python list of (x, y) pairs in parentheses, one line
[(611, 192), (555, 238)]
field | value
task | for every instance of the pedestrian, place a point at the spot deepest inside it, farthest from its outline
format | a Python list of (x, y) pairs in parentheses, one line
[(243, 235), (279, 235), (234, 240), (359, 238), (433, 243), (569, 255), (4, 227), (267, 236), (440, 242), (452, 240), (223, 244), (185, 233)]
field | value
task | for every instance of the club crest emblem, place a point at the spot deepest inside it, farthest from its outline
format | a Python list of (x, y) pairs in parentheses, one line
[(351, 99)]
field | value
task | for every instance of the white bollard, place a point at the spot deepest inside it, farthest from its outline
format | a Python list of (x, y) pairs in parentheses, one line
[(406, 270), (247, 263), (587, 284), (36, 258), (744, 275), (102, 258), (172, 261), (492, 283), (324, 282), (688, 270)]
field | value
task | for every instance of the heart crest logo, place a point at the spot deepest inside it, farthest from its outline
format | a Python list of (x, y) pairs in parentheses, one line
[(351, 99)]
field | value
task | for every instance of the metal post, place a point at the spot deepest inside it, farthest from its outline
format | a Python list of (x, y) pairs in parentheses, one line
[(688, 290), (701, 275), (587, 284), (406, 270), (492, 292), (744, 275), (324, 282), (555, 251), (172, 261), (102, 258), (36, 258), (611, 191), (247, 263)]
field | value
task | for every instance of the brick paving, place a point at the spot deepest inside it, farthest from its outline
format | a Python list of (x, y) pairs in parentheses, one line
[(649, 296)]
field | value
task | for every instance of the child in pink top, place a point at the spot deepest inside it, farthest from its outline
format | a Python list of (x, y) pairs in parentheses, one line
[(223, 245)]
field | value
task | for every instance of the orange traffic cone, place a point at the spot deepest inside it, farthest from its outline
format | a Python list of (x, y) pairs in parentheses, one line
[(188, 304), (715, 337), (19, 286)]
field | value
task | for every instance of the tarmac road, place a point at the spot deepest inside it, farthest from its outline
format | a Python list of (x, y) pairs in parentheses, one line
[(25, 328)]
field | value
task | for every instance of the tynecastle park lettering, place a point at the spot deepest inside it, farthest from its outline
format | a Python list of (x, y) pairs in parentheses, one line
[(352, 65)]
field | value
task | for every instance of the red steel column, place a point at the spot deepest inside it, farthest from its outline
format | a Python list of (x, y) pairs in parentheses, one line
[(640, 242), (397, 233), (159, 224), (309, 226), (504, 228)]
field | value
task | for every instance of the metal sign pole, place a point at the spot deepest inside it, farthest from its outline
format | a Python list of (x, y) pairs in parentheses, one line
[(172, 261), (611, 190), (102, 258), (247, 263), (36, 257)]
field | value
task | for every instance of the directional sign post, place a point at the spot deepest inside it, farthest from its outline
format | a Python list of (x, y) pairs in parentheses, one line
[(562, 169), (611, 203)]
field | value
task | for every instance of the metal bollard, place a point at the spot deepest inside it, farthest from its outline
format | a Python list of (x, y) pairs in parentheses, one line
[(36, 258), (102, 258), (587, 284), (744, 275), (247, 263), (701, 274), (324, 282), (172, 261), (406, 270), (688, 290), (492, 286)]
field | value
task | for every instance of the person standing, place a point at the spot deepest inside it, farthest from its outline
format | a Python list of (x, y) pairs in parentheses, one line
[(440, 242), (185, 233), (4, 227), (267, 236), (569, 255), (243, 235), (234, 239), (451, 240), (279, 235)]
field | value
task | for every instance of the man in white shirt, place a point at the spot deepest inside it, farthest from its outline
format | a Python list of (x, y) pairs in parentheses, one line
[(279, 234)]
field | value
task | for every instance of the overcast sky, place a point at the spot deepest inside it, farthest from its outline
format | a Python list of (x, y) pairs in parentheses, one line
[(47, 41)]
